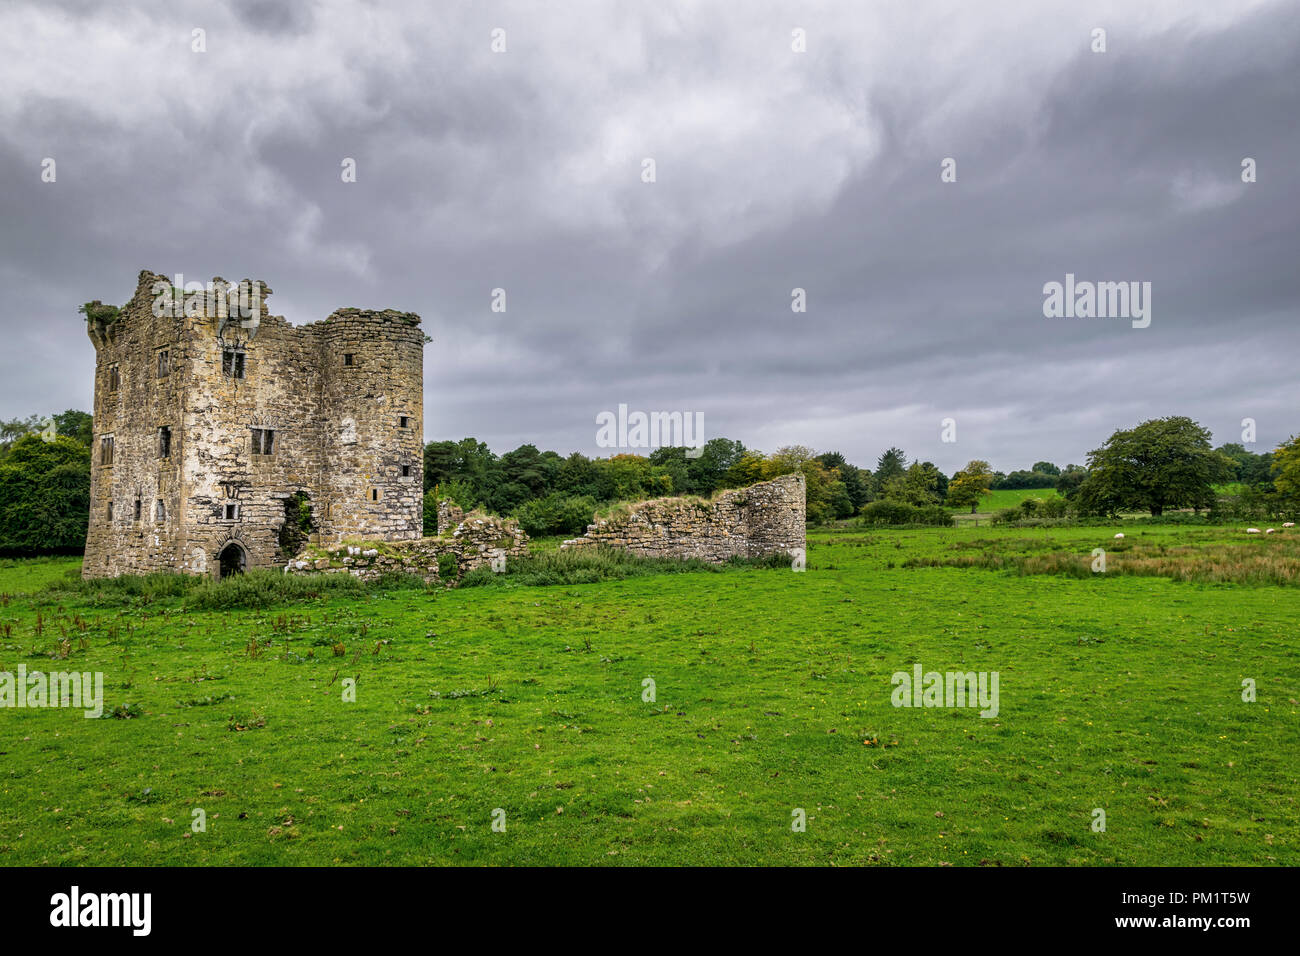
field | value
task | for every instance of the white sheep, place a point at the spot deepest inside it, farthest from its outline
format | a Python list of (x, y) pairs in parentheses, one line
[(1269, 531), (1252, 531), (1120, 535), (1288, 524)]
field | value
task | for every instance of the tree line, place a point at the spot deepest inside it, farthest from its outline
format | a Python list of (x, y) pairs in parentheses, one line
[(1158, 466)]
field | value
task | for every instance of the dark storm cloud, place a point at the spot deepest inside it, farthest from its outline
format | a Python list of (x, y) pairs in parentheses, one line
[(775, 170), (274, 18)]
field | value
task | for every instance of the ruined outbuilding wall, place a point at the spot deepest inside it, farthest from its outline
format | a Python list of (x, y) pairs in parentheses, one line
[(766, 518), (476, 541), (339, 438)]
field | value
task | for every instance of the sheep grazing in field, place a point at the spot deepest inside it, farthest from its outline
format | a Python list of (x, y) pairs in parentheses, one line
[(1269, 531), (1288, 524), (1120, 535), (1252, 531)]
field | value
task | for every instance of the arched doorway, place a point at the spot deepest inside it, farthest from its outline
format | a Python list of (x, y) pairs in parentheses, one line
[(232, 560)]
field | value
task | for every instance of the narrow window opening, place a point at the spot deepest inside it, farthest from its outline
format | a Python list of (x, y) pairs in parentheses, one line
[(137, 509), (160, 511), (403, 422), (106, 450), (349, 359), (232, 511), (232, 363), (263, 441), (406, 471), (164, 441), (164, 362)]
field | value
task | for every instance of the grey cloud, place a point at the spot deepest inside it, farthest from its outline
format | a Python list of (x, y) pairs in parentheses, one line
[(775, 171)]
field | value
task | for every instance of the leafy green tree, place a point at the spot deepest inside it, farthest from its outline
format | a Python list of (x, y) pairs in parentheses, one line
[(78, 426), (708, 471), (746, 470), (577, 476), (556, 514), (1067, 485), (15, 429), (1046, 468), (1286, 470), (819, 487), (44, 495), (674, 462), (1026, 479), (531, 469), (858, 485), (970, 485), (787, 460), (921, 484), (1249, 468), (1161, 463)]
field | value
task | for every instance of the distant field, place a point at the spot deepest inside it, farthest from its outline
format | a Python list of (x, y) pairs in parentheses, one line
[(1002, 498), (1120, 692)]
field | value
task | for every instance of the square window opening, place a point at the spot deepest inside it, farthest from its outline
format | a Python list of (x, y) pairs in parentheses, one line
[(263, 441)]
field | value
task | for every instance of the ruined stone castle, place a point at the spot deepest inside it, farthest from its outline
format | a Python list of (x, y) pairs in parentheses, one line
[(226, 438)]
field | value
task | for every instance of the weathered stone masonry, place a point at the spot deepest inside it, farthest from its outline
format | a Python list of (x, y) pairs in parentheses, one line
[(188, 482), (766, 518), (475, 540)]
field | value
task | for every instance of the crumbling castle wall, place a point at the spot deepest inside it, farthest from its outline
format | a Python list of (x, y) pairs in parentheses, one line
[(478, 540), (762, 519), (184, 474), (449, 515)]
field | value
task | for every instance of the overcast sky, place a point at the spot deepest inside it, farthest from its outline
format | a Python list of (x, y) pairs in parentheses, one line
[(774, 170)]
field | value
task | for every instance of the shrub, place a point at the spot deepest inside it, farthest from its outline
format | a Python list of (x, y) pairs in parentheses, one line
[(888, 512), (259, 587), (430, 513), (125, 591), (891, 512), (556, 514), (1007, 515), (1054, 508), (448, 567)]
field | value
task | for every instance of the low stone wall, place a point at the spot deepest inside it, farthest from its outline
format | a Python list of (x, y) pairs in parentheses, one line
[(476, 541), (480, 538), (766, 518)]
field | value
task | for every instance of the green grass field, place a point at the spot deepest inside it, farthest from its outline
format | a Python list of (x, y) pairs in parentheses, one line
[(995, 501), (1118, 691)]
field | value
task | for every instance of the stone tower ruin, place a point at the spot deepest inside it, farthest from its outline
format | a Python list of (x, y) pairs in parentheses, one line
[(226, 438)]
